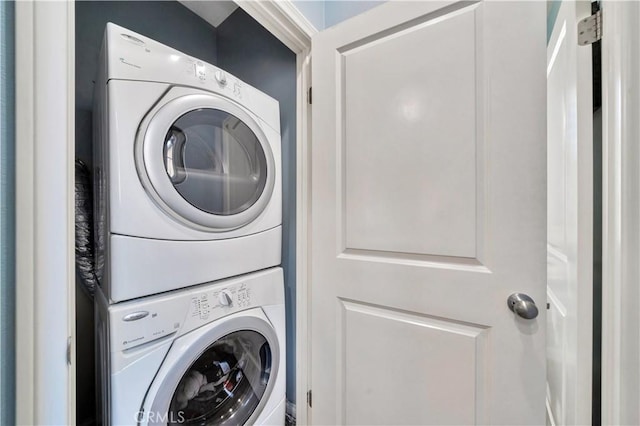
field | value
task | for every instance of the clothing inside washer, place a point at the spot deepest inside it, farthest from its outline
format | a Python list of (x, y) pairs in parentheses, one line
[(226, 383)]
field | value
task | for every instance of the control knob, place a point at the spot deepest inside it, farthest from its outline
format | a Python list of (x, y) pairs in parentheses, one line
[(221, 77), (225, 298)]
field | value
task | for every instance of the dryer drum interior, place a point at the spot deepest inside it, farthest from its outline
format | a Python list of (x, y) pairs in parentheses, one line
[(215, 161), (226, 382), (206, 161)]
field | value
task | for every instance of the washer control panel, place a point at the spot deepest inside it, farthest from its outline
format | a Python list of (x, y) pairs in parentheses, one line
[(151, 319), (201, 71), (214, 302)]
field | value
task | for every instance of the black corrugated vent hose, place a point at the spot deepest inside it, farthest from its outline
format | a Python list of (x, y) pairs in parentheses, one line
[(85, 264)]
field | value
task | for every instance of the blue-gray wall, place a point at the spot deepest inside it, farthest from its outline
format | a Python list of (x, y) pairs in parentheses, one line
[(7, 214), (250, 52), (167, 22), (313, 10), (324, 14), (327, 13), (553, 7), (338, 11)]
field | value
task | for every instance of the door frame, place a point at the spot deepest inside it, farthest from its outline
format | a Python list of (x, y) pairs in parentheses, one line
[(45, 261), (45, 199), (576, 372), (282, 19), (621, 214)]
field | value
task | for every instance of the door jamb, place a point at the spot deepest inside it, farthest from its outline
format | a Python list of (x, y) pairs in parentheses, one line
[(285, 22), (621, 213), (45, 240)]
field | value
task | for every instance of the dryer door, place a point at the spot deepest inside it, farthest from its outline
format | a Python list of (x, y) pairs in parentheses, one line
[(208, 162), (221, 375)]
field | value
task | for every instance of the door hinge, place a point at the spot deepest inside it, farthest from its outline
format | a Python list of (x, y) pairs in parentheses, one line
[(590, 29), (309, 398), (69, 341), (309, 92)]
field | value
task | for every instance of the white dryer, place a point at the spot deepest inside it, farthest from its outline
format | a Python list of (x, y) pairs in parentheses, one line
[(210, 355), (187, 170)]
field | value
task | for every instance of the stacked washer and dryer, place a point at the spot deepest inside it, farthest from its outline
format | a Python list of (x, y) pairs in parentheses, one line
[(190, 311)]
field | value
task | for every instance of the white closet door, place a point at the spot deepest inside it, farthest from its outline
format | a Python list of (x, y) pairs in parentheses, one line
[(428, 212), (570, 219)]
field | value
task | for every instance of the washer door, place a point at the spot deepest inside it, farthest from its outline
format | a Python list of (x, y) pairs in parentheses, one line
[(208, 162), (223, 378)]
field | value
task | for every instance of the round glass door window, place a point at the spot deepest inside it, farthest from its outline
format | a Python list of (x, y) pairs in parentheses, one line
[(215, 161), (225, 384)]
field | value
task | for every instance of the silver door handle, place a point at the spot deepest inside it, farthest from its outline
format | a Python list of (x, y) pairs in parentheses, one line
[(522, 305)]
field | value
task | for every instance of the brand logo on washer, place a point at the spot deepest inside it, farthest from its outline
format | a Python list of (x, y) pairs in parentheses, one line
[(127, 342), (130, 64)]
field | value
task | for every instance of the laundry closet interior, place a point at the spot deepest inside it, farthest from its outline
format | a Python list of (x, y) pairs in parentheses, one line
[(229, 39)]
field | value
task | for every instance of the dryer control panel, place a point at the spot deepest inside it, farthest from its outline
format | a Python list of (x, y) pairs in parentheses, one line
[(204, 74), (134, 57)]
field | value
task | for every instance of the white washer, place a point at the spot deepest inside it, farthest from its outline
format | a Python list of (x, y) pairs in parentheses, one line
[(187, 170), (214, 354)]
